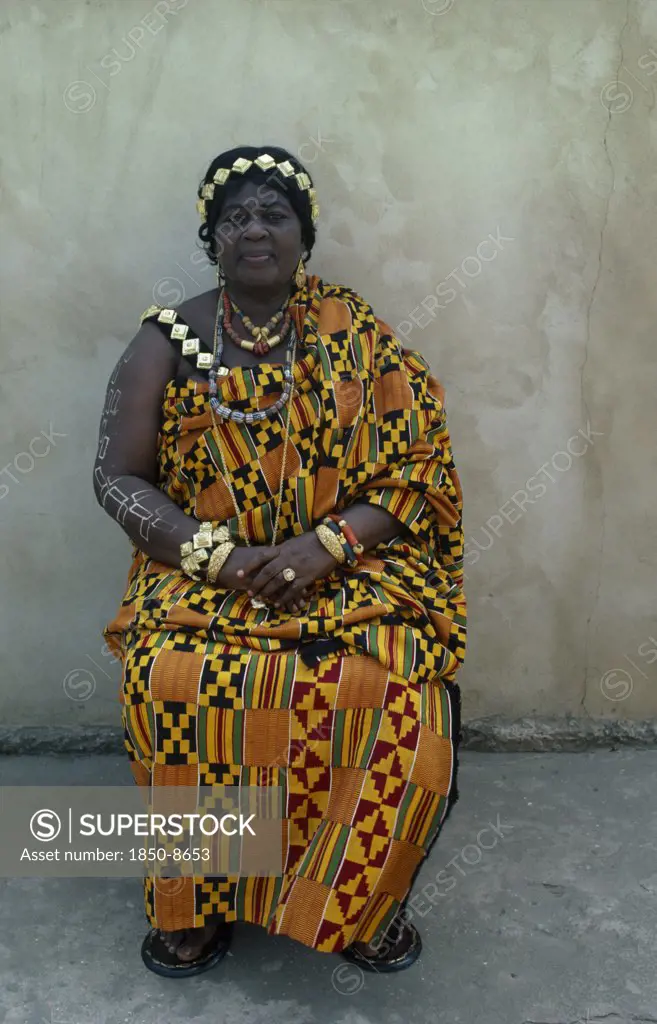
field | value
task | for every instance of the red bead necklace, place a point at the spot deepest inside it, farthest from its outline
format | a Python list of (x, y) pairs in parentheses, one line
[(263, 341)]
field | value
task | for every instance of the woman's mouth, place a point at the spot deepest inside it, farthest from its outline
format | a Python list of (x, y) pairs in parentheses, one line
[(257, 257)]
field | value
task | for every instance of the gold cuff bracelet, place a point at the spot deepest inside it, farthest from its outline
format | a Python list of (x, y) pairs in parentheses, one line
[(329, 540), (218, 559)]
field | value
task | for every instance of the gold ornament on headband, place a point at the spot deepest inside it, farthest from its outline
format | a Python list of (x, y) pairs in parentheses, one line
[(266, 163)]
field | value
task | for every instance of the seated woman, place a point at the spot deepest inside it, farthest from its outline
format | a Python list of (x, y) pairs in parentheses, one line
[(294, 615)]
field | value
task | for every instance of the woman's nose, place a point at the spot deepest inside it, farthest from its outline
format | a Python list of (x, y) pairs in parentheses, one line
[(255, 229)]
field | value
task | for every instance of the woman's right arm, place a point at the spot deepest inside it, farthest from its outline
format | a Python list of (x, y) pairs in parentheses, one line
[(125, 470)]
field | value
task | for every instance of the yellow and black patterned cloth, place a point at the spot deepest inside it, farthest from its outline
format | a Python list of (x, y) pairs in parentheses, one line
[(348, 707)]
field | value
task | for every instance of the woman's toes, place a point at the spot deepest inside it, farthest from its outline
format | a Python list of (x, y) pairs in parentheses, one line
[(186, 951), (193, 943), (172, 939)]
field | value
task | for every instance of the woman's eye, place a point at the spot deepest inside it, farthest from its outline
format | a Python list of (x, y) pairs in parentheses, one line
[(238, 218), (276, 216)]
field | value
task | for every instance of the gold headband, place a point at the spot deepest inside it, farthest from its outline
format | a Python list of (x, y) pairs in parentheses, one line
[(265, 163)]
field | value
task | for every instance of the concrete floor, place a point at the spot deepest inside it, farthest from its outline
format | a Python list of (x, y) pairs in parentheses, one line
[(549, 919)]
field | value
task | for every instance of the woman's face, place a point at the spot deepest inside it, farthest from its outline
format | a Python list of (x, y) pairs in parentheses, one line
[(258, 237)]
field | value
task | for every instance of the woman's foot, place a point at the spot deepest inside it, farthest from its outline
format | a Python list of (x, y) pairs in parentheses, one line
[(395, 951), (188, 944), (186, 952)]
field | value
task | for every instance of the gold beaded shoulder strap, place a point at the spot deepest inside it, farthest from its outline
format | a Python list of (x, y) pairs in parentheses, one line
[(172, 324)]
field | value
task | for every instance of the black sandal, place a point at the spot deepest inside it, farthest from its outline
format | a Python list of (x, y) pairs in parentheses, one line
[(388, 961), (158, 957)]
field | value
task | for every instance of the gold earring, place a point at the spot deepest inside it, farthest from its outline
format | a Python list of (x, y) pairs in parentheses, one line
[(300, 274)]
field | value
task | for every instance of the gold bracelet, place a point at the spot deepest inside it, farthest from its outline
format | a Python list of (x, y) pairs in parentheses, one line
[(196, 552), (203, 537), (197, 558), (329, 540), (220, 535), (190, 565), (218, 559)]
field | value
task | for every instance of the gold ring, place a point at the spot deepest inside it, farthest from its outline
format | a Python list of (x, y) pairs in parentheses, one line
[(289, 575)]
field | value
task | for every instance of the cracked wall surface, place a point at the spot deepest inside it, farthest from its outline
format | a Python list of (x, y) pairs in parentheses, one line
[(486, 174)]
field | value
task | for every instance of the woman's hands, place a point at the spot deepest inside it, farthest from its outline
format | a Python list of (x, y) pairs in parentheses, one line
[(310, 561), (259, 570), (242, 564)]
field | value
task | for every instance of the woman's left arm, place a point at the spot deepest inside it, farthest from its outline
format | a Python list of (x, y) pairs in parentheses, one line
[(372, 525)]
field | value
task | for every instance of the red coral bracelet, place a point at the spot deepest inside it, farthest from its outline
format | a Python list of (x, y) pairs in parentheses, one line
[(350, 536)]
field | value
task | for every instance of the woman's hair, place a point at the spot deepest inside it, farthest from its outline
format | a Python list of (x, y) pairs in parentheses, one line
[(300, 199)]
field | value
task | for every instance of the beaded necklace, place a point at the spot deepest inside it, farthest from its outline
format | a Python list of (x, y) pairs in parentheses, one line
[(256, 602), (264, 340), (226, 413)]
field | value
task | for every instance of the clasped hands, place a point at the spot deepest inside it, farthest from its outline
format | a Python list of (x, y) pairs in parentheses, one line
[(259, 571)]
